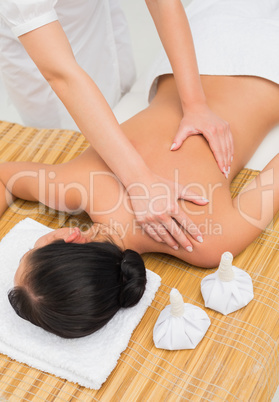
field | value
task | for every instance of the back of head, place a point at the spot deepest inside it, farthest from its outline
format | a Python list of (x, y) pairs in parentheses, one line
[(72, 290)]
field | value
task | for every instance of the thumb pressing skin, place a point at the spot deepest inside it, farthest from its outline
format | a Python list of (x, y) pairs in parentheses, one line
[(178, 141), (175, 146), (192, 196), (182, 134)]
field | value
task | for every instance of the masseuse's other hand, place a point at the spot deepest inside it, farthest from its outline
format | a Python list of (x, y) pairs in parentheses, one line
[(199, 119), (155, 204)]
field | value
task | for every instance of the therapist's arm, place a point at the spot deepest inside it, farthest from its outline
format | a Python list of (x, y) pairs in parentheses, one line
[(173, 28), (49, 48)]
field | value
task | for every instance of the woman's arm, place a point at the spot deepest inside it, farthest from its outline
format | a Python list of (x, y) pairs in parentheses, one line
[(53, 185), (17, 179), (243, 220), (4, 202), (64, 188), (174, 30)]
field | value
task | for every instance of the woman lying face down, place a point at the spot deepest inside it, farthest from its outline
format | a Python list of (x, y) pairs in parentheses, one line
[(72, 286)]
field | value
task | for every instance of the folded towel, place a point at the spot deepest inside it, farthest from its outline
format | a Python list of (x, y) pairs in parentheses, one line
[(87, 361)]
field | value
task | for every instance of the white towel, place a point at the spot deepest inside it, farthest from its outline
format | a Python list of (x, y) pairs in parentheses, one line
[(87, 361), (231, 37)]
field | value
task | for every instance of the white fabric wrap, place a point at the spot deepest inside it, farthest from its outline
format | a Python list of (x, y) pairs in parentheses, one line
[(87, 361), (231, 37), (227, 297), (24, 16), (185, 332)]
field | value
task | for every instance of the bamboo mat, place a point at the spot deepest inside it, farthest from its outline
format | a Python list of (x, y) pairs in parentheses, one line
[(236, 361)]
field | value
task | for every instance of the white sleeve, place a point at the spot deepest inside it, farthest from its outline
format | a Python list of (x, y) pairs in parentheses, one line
[(26, 15)]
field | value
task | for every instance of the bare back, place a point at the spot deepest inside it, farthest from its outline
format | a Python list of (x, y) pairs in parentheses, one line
[(249, 104)]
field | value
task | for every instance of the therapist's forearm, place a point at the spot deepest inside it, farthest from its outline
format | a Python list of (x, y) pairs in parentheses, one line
[(49, 48), (174, 31), (96, 121)]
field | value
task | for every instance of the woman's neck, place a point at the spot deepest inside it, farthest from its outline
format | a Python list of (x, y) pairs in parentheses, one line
[(127, 235)]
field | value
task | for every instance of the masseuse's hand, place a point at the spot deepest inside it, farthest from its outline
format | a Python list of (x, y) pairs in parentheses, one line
[(199, 119), (155, 204)]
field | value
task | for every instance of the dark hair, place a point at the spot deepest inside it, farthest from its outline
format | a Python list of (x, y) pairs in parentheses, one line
[(72, 290)]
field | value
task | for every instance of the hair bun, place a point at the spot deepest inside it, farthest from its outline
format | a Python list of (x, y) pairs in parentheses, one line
[(133, 278)]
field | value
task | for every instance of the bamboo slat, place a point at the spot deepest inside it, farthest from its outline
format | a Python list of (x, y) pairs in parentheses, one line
[(236, 361)]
